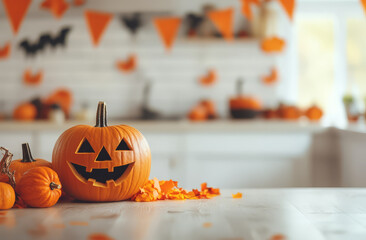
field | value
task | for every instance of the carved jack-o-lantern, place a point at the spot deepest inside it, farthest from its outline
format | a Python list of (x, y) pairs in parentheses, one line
[(102, 163)]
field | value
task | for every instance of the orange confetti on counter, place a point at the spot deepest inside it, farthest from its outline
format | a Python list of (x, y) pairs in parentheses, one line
[(237, 195), (168, 190), (278, 237), (99, 236)]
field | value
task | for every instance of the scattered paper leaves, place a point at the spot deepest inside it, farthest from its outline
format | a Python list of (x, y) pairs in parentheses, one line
[(32, 79), (208, 79), (19, 203), (168, 190), (273, 44), (237, 195), (5, 51), (278, 237), (271, 78), (99, 236), (127, 65)]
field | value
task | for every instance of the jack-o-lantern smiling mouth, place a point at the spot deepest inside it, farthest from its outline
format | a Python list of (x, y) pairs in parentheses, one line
[(101, 176)]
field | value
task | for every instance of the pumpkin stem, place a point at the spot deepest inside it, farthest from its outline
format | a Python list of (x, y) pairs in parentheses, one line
[(101, 119), (239, 86), (27, 155), (54, 186)]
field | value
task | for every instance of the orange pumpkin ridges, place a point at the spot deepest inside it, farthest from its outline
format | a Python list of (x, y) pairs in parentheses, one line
[(7, 196), (102, 163), (39, 187)]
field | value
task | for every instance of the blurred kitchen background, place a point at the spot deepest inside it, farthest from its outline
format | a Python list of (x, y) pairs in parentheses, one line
[(279, 101)]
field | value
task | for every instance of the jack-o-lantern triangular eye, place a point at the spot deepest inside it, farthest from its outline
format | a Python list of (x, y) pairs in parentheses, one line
[(123, 146), (85, 147)]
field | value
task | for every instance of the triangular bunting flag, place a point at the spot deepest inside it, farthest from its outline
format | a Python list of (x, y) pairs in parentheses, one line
[(16, 11), (246, 8), (288, 6), (57, 7), (223, 21), (363, 2), (97, 23), (167, 28)]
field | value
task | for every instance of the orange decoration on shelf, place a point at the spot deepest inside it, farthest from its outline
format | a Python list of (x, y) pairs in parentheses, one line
[(314, 113), (155, 190), (237, 195), (5, 51), (57, 7), (167, 28), (204, 110), (289, 7), (272, 78), (223, 21), (246, 8), (78, 3), (62, 97), (127, 65), (16, 11), (25, 112), (97, 23), (209, 79), (273, 44), (32, 79), (278, 237), (289, 112)]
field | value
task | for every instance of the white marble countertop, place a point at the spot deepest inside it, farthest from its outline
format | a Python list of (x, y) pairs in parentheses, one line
[(176, 126), (299, 214)]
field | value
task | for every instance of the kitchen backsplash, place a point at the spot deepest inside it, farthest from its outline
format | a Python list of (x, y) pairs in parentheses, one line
[(91, 75)]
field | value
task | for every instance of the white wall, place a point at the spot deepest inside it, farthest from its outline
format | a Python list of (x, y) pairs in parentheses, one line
[(91, 75)]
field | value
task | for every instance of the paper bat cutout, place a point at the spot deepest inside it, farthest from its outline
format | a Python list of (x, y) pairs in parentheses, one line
[(271, 78), (288, 6), (32, 79), (132, 22), (16, 11), (273, 44), (5, 51), (31, 49), (194, 21), (223, 21), (56, 7), (128, 65), (209, 79), (246, 8)]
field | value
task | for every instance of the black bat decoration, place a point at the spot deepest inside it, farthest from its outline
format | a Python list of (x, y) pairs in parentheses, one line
[(31, 49), (194, 21), (132, 22)]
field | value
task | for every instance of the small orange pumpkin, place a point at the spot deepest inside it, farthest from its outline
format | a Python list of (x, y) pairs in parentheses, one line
[(39, 187), (314, 113), (20, 166), (198, 113), (7, 196), (289, 112), (102, 163), (25, 112)]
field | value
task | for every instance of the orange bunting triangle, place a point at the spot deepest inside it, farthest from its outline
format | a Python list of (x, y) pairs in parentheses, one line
[(209, 79), (97, 23), (273, 44), (246, 8), (271, 78), (223, 21), (167, 28), (57, 7), (5, 51), (32, 79), (16, 11), (288, 6), (127, 65)]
